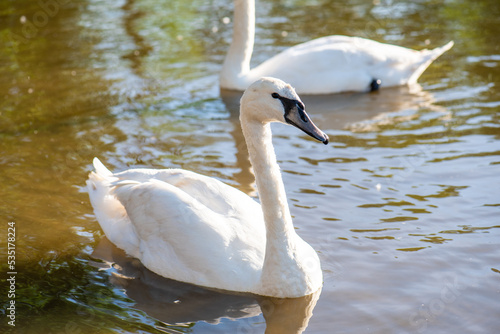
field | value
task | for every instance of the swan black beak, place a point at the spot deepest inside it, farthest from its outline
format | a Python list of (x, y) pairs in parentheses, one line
[(295, 114)]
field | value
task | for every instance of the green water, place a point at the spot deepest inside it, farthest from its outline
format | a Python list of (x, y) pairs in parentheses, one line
[(403, 205)]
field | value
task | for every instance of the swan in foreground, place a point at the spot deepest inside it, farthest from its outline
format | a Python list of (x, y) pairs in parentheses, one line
[(196, 229), (325, 65)]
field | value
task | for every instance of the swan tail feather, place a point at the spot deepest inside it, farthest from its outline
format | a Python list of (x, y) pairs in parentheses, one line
[(109, 211), (433, 54), (442, 49), (100, 168), (429, 57)]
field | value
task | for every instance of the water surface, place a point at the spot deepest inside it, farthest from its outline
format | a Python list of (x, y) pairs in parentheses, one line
[(402, 206)]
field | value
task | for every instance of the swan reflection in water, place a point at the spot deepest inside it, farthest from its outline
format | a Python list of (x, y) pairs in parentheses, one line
[(342, 111), (178, 303)]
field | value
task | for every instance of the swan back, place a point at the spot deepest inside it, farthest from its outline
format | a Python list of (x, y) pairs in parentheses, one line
[(181, 225)]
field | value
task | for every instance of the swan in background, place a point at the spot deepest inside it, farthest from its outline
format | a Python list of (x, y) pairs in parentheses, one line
[(196, 229), (325, 65)]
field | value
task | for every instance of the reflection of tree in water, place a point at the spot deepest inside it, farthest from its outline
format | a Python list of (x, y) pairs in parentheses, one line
[(142, 48), (54, 114)]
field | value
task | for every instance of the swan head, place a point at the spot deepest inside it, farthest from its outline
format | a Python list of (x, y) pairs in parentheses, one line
[(272, 100)]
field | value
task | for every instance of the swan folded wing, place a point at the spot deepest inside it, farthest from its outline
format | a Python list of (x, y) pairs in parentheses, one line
[(319, 72), (216, 195), (337, 51), (340, 63), (330, 64), (183, 239)]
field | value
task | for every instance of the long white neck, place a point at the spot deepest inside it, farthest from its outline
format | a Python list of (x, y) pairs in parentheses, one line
[(269, 183), (282, 273), (237, 62)]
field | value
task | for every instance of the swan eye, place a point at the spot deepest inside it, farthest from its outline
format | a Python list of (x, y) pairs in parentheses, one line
[(275, 95)]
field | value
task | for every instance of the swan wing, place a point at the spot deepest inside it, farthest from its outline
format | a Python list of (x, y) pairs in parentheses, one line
[(174, 233), (183, 239), (340, 63), (211, 192)]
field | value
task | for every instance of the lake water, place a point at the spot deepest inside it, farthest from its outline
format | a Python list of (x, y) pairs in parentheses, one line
[(403, 206)]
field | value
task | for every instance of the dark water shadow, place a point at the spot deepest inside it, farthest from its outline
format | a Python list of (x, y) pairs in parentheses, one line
[(336, 111), (178, 303), (351, 111)]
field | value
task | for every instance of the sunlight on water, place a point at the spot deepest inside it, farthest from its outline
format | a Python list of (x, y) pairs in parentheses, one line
[(402, 205)]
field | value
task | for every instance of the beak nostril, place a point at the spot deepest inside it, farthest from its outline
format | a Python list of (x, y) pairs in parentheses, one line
[(302, 114)]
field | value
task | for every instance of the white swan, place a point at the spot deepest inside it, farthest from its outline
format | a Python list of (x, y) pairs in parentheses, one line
[(325, 65), (196, 229)]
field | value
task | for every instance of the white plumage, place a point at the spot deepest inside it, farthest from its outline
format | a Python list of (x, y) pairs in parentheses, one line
[(196, 229), (324, 65)]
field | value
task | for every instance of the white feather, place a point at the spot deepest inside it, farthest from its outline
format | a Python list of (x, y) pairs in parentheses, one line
[(196, 229), (324, 65)]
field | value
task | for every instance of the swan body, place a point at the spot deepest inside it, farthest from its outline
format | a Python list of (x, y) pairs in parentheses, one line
[(324, 65), (196, 229)]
